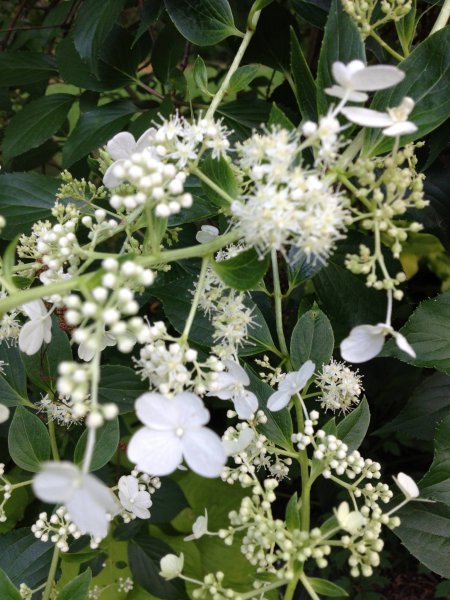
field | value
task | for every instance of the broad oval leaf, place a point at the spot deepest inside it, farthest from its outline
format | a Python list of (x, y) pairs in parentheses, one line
[(201, 76), (25, 558), (312, 339), (353, 428), (436, 483), (202, 22), (167, 52), (221, 174), (13, 379), (28, 440), (21, 67), (106, 443), (326, 588), (242, 272), (121, 385), (8, 590)]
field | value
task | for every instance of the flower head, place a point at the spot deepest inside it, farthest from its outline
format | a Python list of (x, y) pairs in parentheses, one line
[(171, 566), (37, 330), (292, 384), (174, 429), (366, 341), (199, 528), (132, 498), (349, 520), (230, 385), (395, 120), (120, 148), (407, 486), (206, 234)]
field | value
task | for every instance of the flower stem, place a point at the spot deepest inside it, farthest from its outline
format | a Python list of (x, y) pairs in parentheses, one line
[(388, 48), (210, 183), (51, 431), (290, 590), (51, 574), (92, 431), (278, 304), (304, 471), (233, 68), (308, 587), (195, 301)]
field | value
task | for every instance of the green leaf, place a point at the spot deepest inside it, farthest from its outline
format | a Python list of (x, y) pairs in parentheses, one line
[(220, 173), (241, 78), (144, 555), (121, 385), (24, 199), (202, 22), (95, 128), (201, 76), (426, 82), (167, 52), (425, 531), (36, 123), (300, 268), (341, 41), (353, 428), (28, 440), (106, 444), (312, 339), (20, 67), (25, 558), (428, 332), (326, 588), (168, 501), (13, 381), (242, 272), (292, 513), (243, 116), (8, 591), (429, 404), (91, 28), (304, 86), (436, 483), (277, 117), (78, 588), (406, 28)]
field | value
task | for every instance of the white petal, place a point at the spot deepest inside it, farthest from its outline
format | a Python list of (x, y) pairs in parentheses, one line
[(246, 405), (191, 410), (407, 485), (203, 452), (34, 309), (56, 482), (140, 511), (246, 436), (304, 373), (155, 452), (363, 343), (397, 129), (128, 485), (236, 371), (378, 77), (100, 493), (403, 344), (207, 234), (278, 400), (121, 145), (339, 92), (4, 413), (31, 336), (109, 179), (145, 139), (85, 352), (366, 117), (47, 329), (156, 411)]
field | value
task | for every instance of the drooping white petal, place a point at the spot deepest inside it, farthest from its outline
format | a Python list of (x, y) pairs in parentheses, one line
[(363, 343), (31, 336), (4, 413), (88, 516), (34, 309), (397, 129), (246, 436), (56, 482), (144, 140), (407, 486), (191, 410), (156, 411), (246, 404), (121, 145), (352, 96), (204, 452), (100, 494), (155, 452), (366, 117), (199, 528), (171, 566), (304, 373), (47, 329), (206, 234), (403, 343), (377, 77), (110, 180), (278, 400), (237, 372)]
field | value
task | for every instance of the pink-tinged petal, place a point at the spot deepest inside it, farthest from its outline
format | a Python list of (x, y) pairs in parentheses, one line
[(110, 180), (278, 400), (155, 452), (403, 343), (34, 309), (56, 482), (203, 452), (236, 371), (31, 337), (191, 410), (366, 117), (157, 412), (397, 129), (121, 145), (363, 343), (378, 77), (246, 405)]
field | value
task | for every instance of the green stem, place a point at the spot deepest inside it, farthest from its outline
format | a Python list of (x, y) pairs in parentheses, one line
[(278, 304), (263, 590), (51, 574), (14, 486), (51, 431), (234, 66), (195, 301), (210, 183), (92, 432), (290, 590), (388, 48), (308, 587), (443, 17), (304, 471)]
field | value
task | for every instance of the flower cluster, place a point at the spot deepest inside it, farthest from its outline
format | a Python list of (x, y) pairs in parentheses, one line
[(340, 387), (57, 528)]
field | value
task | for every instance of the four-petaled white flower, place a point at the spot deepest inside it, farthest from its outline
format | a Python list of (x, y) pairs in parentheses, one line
[(207, 233), (89, 502), (199, 528), (349, 520), (407, 486), (4, 413), (239, 444), (37, 330), (120, 148), (292, 384), (395, 120), (366, 341), (355, 78), (174, 429), (171, 566), (132, 498), (230, 385), (88, 349)]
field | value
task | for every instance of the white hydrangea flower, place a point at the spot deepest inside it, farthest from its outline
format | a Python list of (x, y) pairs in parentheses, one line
[(349, 520), (292, 384), (88, 348), (407, 486), (207, 233), (230, 385), (237, 445), (37, 330), (395, 120), (199, 528), (366, 341), (89, 502), (175, 429), (171, 566), (121, 147), (132, 498), (4, 413), (355, 78)]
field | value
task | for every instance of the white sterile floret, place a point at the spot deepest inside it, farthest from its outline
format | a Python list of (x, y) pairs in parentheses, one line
[(199, 528), (4, 413), (237, 445), (171, 566), (89, 502), (121, 147), (132, 498), (355, 78), (349, 520), (88, 348), (292, 384), (175, 429), (407, 486), (230, 385), (37, 330), (206, 234), (366, 341), (394, 120)]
